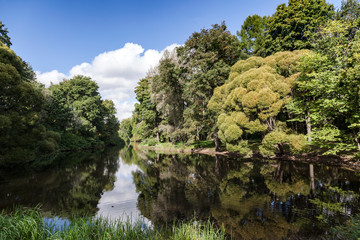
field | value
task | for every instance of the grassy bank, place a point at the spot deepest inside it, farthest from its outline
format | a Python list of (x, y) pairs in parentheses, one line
[(30, 224)]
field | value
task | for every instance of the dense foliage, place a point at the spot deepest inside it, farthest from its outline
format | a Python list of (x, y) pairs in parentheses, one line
[(35, 121), (251, 103), (222, 88)]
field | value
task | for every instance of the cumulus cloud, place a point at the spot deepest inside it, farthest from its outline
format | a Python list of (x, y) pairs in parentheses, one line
[(116, 72), (50, 77)]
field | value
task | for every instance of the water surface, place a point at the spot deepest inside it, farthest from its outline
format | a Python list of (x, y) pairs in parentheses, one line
[(252, 199)]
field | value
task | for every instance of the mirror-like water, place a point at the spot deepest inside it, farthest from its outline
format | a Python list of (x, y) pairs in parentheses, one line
[(252, 199)]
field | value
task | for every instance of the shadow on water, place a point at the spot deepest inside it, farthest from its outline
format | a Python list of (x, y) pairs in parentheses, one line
[(252, 199)]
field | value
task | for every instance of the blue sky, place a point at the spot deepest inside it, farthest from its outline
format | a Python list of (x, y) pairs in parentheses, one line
[(66, 37)]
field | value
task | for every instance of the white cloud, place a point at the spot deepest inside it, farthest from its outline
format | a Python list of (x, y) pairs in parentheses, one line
[(50, 77), (116, 72)]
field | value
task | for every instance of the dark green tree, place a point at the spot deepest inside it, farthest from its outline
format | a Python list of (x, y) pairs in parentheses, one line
[(206, 58), (4, 37), (22, 137), (146, 117), (109, 133), (74, 107), (252, 35), (292, 26)]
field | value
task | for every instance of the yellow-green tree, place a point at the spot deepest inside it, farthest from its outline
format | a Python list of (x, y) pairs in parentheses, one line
[(251, 103)]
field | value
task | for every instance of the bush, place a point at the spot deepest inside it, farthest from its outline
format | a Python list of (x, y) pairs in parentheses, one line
[(151, 142), (71, 141), (241, 147), (277, 141)]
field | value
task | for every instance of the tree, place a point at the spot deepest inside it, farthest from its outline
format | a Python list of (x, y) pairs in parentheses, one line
[(109, 133), (126, 130), (80, 95), (252, 103), (75, 109), (206, 58), (146, 117), (4, 37), (167, 93), (291, 26), (252, 35), (22, 137), (328, 88)]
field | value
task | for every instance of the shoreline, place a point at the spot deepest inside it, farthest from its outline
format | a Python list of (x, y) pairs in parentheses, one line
[(346, 162)]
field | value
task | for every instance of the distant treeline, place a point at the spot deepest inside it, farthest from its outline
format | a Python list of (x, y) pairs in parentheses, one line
[(35, 121), (286, 83)]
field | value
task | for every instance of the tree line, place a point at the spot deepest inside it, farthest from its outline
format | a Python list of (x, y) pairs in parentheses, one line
[(286, 83), (37, 121)]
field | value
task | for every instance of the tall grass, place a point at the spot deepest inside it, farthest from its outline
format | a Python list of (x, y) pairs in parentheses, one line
[(196, 230), (29, 224)]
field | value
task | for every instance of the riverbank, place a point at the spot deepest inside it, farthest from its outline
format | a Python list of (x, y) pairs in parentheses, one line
[(30, 224), (344, 161)]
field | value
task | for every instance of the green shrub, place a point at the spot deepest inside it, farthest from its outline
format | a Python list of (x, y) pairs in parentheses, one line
[(152, 142), (71, 141)]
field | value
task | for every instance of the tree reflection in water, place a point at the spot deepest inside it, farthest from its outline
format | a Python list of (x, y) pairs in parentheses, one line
[(252, 199), (72, 184)]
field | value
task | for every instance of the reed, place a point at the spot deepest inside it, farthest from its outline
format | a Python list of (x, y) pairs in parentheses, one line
[(29, 224)]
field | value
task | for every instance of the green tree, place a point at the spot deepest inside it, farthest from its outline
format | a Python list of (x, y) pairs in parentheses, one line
[(80, 95), (206, 58), (22, 137), (328, 88), (167, 93), (109, 133), (126, 130), (75, 109), (146, 117), (291, 26), (4, 37), (252, 35), (252, 103)]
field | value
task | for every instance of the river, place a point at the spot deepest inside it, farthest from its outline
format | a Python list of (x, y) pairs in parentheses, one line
[(251, 198)]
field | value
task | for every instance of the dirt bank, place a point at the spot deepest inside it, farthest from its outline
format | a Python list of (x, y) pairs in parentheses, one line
[(331, 160)]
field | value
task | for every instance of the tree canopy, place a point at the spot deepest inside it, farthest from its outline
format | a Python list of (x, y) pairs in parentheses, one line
[(292, 26), (252, 35), (252, 100)]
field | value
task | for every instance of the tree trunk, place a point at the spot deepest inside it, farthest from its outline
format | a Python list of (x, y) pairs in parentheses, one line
[(281, 149), (312, 178), (308, 126), (356, 139), (217, 142), (158, 136), (358, 143)]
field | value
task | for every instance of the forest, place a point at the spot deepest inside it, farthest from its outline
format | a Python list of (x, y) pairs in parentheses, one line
[(284, 84), (36, 121)]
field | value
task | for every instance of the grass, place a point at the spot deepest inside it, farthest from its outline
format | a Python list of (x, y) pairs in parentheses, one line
[(203, 144), (29, 224), (180, 145)]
